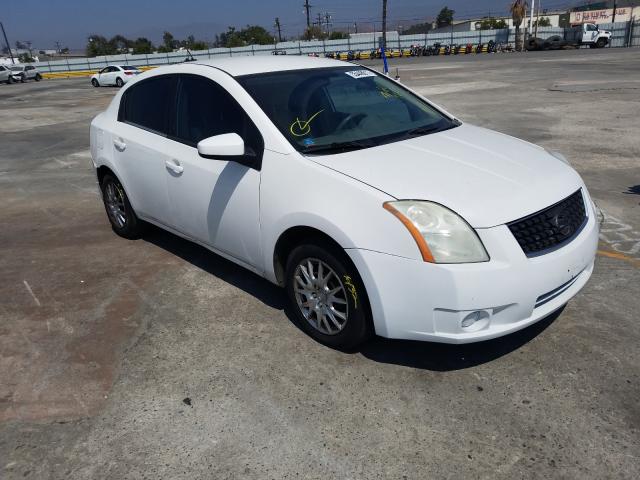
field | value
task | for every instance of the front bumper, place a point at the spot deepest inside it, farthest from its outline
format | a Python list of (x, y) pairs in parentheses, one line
[(411, 299)]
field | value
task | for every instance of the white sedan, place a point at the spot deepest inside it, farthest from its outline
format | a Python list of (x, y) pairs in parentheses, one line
[(378, 211), (116, 75)]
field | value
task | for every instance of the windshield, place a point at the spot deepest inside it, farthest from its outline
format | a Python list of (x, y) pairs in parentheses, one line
[(329, 110), (17, 69), (127, 67)]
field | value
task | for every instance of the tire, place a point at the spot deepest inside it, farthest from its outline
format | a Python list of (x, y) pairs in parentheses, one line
[(119, 82), (38, 77), (591, 45), (23, 78), (350, 303), (95, 82), (123, 219), (10, 80), (601, 43)]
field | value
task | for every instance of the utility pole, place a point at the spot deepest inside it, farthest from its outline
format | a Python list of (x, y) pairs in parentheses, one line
[(327, 18), (355, 26), (7, 42), (537, 19), (384, 24), (613, 16), (279, 29), (533, 7), (307, 7)]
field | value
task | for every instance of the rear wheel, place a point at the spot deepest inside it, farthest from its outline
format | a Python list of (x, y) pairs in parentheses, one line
[(119, 82), (95, 82), (328, 296), (121, 215)]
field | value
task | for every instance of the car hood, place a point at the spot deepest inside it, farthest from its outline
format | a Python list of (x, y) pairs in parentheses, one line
[(486, 177)]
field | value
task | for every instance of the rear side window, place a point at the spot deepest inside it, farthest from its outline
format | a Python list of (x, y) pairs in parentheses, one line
[(205, 109), (148, 104)]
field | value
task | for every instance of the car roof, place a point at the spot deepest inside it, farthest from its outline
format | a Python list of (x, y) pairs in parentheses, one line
[(249, 65)]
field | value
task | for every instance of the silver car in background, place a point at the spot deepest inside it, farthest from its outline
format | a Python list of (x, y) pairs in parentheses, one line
[(22, 73), (5, 74)]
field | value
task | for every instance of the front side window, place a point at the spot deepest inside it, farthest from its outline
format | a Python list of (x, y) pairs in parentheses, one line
[(328, 110), (147, 104), (205, 109)]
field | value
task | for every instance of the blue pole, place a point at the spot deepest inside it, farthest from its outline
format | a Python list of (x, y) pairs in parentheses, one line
[(384, 60)]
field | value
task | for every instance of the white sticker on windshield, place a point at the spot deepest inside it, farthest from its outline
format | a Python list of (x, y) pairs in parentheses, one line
[(360, 73)]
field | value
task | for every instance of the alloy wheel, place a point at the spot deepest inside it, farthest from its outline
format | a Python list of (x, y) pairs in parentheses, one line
[(114, 199), (321, 296)]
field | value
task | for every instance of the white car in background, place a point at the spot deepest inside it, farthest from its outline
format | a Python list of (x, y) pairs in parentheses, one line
[(22, 73), (116, 75), (378, 211), (6, 75)]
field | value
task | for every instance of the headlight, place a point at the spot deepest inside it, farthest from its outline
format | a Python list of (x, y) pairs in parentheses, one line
[(559, 156), (442, 235)]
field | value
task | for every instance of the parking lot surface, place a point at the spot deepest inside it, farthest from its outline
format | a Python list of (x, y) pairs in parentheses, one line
[(157, 359)]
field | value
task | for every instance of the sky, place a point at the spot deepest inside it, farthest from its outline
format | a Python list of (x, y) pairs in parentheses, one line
[(70, 22)]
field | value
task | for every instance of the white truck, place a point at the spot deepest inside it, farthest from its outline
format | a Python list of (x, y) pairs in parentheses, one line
[(574, 37), (587, 34)]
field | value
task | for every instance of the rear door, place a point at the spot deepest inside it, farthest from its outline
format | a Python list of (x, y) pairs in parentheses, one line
[(214, 201), (140, 145)]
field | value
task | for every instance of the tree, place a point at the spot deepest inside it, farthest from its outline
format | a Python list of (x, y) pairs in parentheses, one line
[(314, 32), (20, 45), (518, 11), (418, 28), (250, 35), (542, 22), (99, 45), (491, 23), (142, 45), (169, 42), (25, 58), (445, 17), (120, 43), (338, 36)]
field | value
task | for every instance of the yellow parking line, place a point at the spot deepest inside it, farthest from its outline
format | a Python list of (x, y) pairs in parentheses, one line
[(619, 256)]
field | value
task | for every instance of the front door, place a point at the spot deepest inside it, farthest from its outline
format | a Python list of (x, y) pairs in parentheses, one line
[(214, 201)]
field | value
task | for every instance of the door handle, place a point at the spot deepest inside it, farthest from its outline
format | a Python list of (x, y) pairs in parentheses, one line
[(119, 144), (174, 166)]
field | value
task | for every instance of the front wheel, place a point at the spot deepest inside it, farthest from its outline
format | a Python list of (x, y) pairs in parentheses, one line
[(38, 77), (601, 43), (10, 80), (328, 296), (119, 82), (95, 83), (23, 78), (121, 215)]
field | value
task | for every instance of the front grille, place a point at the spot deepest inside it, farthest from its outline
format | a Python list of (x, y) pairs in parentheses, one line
[(551, 227)]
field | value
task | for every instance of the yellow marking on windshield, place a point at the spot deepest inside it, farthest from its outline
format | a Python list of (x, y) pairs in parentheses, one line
[(300, 128)]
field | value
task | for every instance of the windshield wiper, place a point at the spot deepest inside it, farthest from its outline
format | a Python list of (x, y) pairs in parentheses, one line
[(338, 147), (426, 129)]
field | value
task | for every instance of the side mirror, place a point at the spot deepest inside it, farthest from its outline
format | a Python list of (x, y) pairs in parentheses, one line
[(225, 145)]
